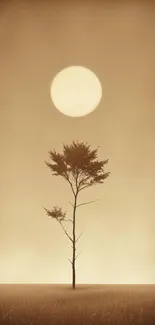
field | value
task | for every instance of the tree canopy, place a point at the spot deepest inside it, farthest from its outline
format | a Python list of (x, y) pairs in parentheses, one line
[(78, 165)]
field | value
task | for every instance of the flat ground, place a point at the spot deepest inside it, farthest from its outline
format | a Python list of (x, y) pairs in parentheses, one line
[(58, 304)]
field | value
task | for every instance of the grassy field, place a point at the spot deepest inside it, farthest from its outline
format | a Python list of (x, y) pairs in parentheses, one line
[(58, 304)]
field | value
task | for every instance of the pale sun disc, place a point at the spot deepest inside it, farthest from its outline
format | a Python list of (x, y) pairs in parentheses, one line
[(76, 91)]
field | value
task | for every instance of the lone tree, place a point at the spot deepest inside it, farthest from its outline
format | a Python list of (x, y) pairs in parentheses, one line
[(79, 166)]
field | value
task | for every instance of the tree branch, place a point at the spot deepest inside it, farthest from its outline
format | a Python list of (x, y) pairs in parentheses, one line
[(78, 255), (78, 237), (76, 180), (70, 220), (86, 203), (82, 188), (70, 261), (71, 204), (66, 233), (67, 177), (88, 185)]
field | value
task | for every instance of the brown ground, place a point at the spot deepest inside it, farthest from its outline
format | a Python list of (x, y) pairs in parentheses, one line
[(58, 304)]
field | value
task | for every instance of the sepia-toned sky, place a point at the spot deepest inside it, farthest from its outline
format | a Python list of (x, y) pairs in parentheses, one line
[(116, 40)]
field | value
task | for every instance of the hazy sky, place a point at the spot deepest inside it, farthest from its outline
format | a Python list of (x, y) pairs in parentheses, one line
[(117, 41)]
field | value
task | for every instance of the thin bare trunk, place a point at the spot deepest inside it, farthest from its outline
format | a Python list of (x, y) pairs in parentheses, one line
[(74, 245)]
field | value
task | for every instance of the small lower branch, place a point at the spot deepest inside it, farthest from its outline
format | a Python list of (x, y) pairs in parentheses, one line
[(65, 231), (78, 237), (71, 204), (68, 220), (85, 203), (78, 255)]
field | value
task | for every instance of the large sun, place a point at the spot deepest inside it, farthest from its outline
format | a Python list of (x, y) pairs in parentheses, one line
[(76, 91)]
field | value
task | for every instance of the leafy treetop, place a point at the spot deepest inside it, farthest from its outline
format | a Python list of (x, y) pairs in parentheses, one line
[(78, 165)]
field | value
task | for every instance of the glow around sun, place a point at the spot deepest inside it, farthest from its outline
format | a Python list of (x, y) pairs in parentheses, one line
[(76, 91)]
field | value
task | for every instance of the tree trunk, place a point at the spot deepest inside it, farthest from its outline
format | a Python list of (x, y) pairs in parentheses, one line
[(74, 247), (73, 274)]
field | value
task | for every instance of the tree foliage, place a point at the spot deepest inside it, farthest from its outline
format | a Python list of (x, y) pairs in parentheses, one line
[(56, 213), (78, 165)]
